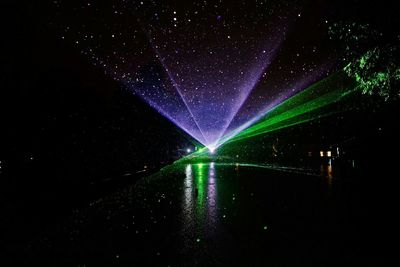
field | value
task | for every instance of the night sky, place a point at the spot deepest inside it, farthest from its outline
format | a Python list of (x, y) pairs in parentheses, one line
[(208, 67)]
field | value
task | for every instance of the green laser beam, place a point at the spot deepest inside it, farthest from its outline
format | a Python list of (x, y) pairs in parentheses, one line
[(315, 102), (309, 105)]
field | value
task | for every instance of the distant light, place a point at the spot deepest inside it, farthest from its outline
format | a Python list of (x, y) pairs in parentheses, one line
[(211, 149), (321, 153), (328, 153), (188, 150)]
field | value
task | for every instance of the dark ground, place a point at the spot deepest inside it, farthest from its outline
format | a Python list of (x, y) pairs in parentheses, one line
[(238, 216)]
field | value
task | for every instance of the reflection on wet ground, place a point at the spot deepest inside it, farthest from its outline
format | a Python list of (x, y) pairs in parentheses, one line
[(210, 215)]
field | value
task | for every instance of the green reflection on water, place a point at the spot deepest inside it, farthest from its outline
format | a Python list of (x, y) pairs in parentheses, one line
[(200, 205), (200, 181)]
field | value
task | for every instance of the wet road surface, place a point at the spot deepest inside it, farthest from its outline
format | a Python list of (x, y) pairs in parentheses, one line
[(211, 215)]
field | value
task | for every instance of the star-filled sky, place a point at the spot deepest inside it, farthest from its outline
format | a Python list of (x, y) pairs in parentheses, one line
[(208, 66)]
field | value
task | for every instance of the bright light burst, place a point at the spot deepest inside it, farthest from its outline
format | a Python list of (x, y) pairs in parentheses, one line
[(213, 74)]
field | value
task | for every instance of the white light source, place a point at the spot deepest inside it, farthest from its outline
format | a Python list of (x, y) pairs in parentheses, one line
[(211, 149), (188, 150)]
